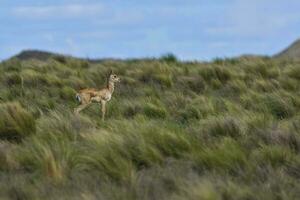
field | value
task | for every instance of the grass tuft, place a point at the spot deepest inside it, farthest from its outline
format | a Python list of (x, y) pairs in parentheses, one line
[(15, 122)]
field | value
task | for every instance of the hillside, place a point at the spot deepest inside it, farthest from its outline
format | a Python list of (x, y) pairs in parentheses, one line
[(229, 129), (292, 52), (46, 55), (35, 54)]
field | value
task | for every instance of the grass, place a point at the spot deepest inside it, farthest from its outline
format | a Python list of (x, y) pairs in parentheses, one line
[(228, 129), (15, 122)]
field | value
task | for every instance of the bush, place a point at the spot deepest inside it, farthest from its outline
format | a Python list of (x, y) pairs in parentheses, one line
[(169, 57), (15, 122)]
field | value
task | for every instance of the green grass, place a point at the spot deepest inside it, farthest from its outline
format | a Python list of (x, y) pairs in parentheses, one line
[(15, 122), (229, 129)]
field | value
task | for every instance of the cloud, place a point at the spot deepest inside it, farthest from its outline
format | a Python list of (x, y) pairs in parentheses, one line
[(59, 11), (255, 19)]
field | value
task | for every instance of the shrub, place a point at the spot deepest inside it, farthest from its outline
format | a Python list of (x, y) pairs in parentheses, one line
[(15, 122), (169, 57)]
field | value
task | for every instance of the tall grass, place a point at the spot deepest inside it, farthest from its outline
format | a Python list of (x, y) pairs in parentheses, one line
[(228, 129), (15, 122)]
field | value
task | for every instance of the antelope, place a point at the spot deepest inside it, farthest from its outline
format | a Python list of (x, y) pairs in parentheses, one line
[(89, 95)]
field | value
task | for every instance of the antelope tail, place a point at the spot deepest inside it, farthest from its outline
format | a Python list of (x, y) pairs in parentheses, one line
[(78, 98)]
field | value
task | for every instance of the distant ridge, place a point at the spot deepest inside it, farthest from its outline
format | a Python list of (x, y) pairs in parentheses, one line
[(35, 54), (44, 55), (292, 52)]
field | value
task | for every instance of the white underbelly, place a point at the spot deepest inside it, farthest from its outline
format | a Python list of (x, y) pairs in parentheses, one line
[(96, 99), (101, 98), (107, 97)]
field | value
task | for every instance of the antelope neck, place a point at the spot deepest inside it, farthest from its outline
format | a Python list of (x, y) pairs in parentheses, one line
[(111, 86)]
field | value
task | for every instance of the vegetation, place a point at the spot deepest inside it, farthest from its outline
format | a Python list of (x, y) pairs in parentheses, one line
[(292, 52), (229, 129)]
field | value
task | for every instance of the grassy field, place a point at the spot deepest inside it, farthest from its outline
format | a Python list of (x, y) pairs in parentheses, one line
[(228, 129)]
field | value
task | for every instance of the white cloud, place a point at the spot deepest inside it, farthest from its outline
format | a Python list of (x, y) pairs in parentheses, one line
[(255, 18), (67, 11)]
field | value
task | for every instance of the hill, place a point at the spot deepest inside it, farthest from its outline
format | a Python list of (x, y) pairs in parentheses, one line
[(292, 52), (35, 54), (46, 55), (228, 129)]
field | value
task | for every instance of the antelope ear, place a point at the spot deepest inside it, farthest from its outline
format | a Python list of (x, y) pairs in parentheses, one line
[(110, 72)]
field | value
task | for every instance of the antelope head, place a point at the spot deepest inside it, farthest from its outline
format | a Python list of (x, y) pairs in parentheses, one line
[(113, 77)]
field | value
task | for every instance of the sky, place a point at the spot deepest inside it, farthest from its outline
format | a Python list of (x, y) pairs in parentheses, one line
[(190, 29)]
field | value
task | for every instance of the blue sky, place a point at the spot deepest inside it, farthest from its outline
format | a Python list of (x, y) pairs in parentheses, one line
[(191, 29)]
